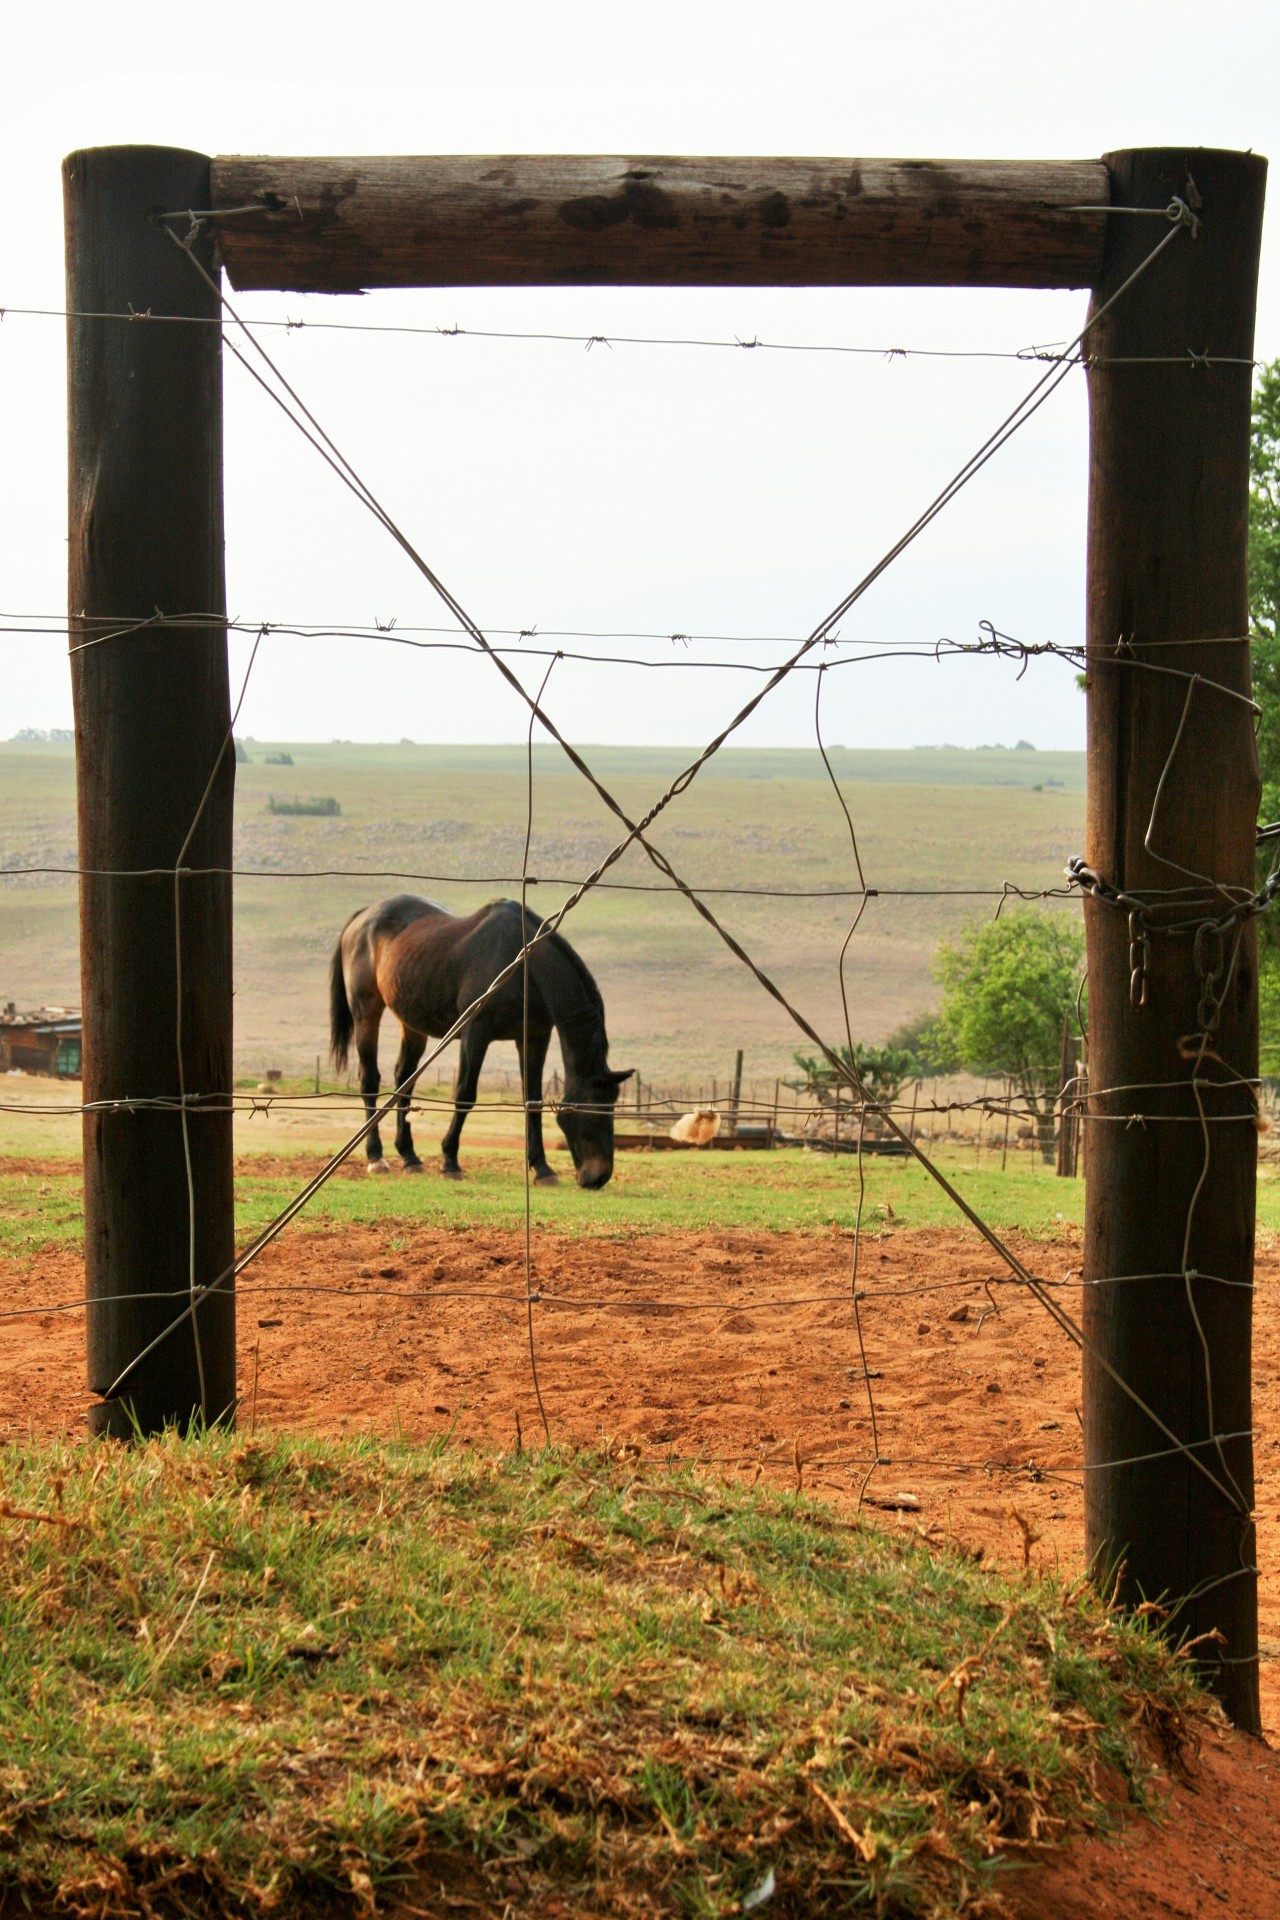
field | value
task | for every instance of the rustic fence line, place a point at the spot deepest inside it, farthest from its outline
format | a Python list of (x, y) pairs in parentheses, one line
[(1211, 913)]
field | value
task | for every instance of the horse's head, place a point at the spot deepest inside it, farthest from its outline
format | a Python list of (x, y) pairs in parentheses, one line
[(586, 1121)]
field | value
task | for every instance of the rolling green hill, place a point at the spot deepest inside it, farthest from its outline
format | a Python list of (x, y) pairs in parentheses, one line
[(453, 818)]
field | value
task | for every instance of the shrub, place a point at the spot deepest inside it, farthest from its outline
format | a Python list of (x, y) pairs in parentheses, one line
[(1007, 986), (325, 808)]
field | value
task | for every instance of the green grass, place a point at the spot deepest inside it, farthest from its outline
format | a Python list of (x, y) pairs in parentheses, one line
[(242, 1677), (789, 1190), (38, 1211), (667, 1192)]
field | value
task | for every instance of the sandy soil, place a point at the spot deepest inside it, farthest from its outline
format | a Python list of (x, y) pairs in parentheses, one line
[(740, 1350), (1213, 1849)]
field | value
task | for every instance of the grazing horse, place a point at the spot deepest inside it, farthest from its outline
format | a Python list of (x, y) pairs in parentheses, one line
[(429, 966)]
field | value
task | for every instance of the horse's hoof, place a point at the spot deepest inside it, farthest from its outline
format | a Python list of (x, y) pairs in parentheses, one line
[(451, 1173), (414, 1166), (547, 1178), (378, 1166)]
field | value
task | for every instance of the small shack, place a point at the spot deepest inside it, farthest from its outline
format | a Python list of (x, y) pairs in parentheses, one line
[(45, 1041)]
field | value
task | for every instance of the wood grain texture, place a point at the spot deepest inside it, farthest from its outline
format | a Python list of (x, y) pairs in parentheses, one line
[(152, 712), (341, 225), (1168, 519)]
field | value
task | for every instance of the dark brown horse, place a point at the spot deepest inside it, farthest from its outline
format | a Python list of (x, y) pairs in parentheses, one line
[(429, 966)]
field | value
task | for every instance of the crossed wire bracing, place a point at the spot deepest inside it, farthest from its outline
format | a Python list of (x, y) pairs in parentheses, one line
[(1185, 909)]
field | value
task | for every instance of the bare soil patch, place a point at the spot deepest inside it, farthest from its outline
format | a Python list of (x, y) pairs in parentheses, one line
[(740, 1350), (1213, 1848)]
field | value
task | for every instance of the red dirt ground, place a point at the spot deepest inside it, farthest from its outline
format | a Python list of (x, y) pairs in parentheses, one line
[(737, 1349)]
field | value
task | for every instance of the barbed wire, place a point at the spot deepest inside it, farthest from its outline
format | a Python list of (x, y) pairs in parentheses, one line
[(58, 623), (283, 394), (1020, 414), (1189, 358), (1006, 892), (868, 1109), (1077, 654), (993, 642), (989, 1106), (740, 1302)]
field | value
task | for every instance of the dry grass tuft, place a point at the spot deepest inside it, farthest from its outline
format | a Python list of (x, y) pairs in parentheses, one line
[(251, 1678)]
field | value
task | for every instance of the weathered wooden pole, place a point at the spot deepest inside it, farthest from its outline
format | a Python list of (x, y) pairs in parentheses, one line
[(735, 1096), (152, 718), (1171, 764), (337, 225)]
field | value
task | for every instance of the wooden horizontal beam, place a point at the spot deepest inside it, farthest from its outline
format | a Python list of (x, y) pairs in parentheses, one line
[(339, 226)]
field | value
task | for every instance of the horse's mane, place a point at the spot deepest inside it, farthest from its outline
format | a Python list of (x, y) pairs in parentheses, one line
[(591, 1016), (583, 971)]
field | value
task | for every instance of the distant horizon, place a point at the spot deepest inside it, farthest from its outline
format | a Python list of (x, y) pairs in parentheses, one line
[(65, 736)]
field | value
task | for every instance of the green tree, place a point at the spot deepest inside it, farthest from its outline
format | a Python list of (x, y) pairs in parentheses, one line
[(931, 1049), (1264, 629), (1264, 577), (1007, 985), (1269, 1012)]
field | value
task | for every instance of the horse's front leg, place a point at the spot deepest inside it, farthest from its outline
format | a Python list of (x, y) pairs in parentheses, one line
[(412, 1047), (531, 1065), (367, 1054), (470, 1060)]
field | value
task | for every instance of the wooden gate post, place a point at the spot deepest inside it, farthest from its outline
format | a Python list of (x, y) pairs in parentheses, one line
[(1172, 764), (152, 716)]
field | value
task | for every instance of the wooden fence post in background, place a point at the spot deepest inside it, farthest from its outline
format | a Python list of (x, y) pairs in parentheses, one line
[(1008, 1116), (1168, 515), (1064, 1160), (735, 1096), (152, 719)]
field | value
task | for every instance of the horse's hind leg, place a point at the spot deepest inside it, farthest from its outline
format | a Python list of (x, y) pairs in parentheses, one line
[(412, 1047), (470, 1060), (367, 1054)]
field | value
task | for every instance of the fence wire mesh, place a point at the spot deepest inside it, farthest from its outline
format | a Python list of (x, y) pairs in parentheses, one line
[(1194, 907)]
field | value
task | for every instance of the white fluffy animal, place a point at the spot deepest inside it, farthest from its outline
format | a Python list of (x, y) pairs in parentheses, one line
[(696, 1129)]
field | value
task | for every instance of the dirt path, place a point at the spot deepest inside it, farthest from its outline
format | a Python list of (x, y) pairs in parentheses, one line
[(735, 1348), (738, 1349)]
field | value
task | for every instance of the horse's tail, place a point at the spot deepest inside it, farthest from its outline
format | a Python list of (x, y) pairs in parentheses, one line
[(341, 1021)]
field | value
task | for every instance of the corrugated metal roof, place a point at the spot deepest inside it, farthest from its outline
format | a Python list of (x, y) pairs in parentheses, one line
[(42, 1020)]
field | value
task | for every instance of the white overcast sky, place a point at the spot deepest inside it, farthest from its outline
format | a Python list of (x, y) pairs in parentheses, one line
[(625, 489)]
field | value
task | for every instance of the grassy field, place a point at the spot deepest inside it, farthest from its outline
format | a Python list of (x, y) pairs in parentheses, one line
[(249, 1677), (679, 1004), (790, 1189), (650, 1193)]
